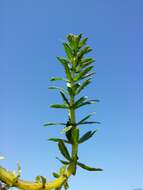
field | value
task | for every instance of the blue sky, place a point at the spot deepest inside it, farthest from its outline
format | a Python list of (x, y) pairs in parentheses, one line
[(31, 34)]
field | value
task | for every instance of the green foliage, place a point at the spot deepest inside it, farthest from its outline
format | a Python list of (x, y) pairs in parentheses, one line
[(86, 136), (88, 167), (63, 149), (40, 179), (78, 72), (53, 123)]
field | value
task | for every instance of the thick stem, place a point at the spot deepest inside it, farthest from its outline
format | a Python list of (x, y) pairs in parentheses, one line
[(10, 179)]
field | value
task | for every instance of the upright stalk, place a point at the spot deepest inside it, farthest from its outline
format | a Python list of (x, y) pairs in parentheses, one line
[(78, 73)]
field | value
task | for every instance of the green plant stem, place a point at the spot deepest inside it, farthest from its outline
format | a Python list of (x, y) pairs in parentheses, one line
[(73, 122)]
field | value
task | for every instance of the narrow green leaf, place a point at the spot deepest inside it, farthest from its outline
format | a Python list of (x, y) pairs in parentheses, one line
[(84, 61), (62, 161), (53, 123), (85, 118), (56, 175), (64, 151), (91, 122), (64, 98), (68, 51), (57, 79), (83, 42), (76, 86), (83, 73), (86, 136), (88, 167), (87, 103), (83, 85), (58, 88), (58, 140), (88, 75), (62, 106), (84, 51), (66, 67), (80, 101), (18, 170)]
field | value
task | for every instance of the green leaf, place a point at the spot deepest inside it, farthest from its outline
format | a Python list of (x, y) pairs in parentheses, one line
[(87, 103), (83, 73), (75, 135), (64, 151), (66, 67), (80, 101), (56, 175), (74, 40), (57, 79), (86, 136), (83, 42), (68, 51), (83, 85), (64, 98), (58, 88), (88, 75), (62, 161), (53, 123), (90, 122), (18, 170), (59, 106), (84, 51), (88, 167), (40, 179), (85, 61), (76, 86), (85, 118), (58, 140)]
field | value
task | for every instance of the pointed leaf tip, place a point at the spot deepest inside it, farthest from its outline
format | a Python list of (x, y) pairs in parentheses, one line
[(88, 167)]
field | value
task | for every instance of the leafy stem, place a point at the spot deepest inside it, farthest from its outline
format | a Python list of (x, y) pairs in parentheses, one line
[(78, 72)]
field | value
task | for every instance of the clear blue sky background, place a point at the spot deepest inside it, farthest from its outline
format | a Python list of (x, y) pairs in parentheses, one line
[(31, 33)]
